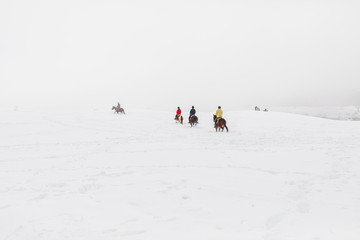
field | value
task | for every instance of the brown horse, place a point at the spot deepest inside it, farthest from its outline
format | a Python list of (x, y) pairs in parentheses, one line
[(193, 120), (120, 110), (220, 124), (179, 119)]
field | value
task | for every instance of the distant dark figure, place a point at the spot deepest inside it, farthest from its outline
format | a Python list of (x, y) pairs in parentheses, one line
[(257, 109), (265, 110), (192, 112), (118, 110)]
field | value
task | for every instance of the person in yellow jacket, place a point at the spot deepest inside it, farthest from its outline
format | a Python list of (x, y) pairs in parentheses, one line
[(219, 114)]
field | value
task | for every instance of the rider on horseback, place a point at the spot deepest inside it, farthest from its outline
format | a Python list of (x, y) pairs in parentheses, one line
[(118, 106), (178, 113), (192, 112), (219, 114)]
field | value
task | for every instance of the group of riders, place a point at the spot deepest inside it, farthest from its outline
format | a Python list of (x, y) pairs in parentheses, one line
[(218, 114), (193, 120)]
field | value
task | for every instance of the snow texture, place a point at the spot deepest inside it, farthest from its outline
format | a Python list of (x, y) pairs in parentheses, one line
[(97, 175), (350, 113)]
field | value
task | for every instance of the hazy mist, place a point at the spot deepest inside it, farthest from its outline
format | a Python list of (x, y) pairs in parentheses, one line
[(164, 54)]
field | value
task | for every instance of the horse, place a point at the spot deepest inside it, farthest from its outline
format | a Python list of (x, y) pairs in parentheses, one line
[(179, 119), (118, 110), (193, 120), (221, 124)]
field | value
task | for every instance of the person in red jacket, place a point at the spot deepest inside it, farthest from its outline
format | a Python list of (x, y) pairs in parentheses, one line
[(178, 112)]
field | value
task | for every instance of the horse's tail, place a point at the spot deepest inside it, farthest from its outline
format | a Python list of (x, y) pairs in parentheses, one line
[(226, 126)]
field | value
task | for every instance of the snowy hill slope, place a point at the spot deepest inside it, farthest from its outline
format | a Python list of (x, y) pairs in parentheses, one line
[(96, 175), (350, 113)]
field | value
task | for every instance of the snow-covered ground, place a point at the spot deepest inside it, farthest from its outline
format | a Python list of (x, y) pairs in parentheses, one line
[(96, 175), (350, 113)]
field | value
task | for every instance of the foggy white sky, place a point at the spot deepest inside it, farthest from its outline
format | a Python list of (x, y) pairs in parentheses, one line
[(164, 54)]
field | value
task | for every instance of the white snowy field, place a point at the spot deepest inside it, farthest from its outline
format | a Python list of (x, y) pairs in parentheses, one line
[(96, 175), (350, 113)]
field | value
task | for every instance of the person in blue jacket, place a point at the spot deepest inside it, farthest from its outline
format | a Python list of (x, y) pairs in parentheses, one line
[(192, 112)]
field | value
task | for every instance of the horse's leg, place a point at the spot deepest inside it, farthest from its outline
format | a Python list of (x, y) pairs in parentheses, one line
[(226, 126)]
